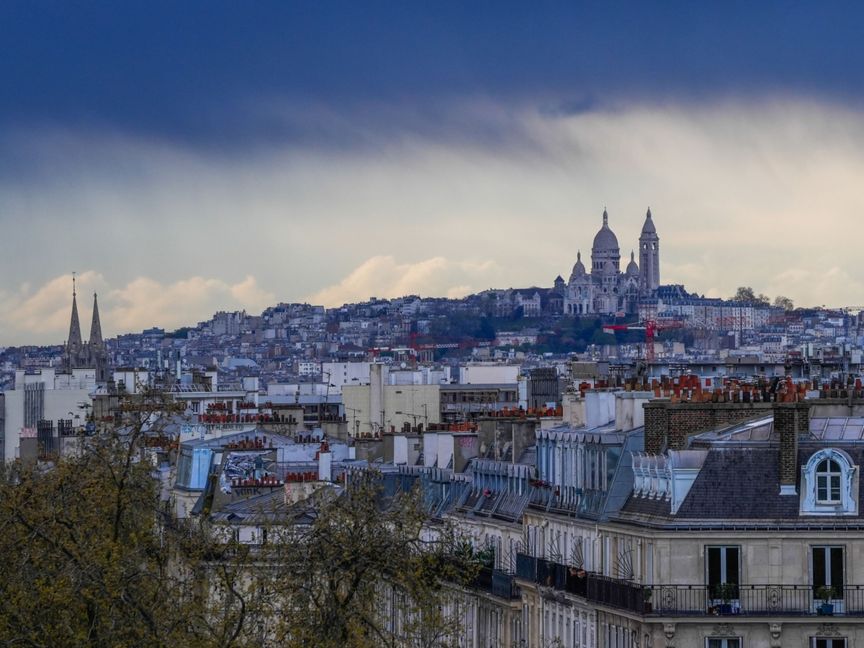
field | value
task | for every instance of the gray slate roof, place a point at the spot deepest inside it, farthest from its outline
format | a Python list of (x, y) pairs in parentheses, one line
[(742, 484)]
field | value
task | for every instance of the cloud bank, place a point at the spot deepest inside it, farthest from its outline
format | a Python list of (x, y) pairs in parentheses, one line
[(43, 314), (744, 192), (383, 277)]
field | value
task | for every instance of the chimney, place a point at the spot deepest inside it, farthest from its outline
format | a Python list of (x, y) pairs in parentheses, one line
[(656, 416), (670, 424), (790, 420), (325, 463)]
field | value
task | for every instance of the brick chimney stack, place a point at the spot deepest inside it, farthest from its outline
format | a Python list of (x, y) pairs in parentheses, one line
[(790, 421), (669, 424)]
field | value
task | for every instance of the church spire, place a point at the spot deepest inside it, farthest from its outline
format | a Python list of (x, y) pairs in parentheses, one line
[(74, 324), (95, 325)]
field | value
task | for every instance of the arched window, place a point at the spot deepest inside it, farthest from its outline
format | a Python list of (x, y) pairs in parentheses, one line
[(828, 475), (829, 484)]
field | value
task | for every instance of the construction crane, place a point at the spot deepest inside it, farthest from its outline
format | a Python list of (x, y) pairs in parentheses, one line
[(650, 327), (413, 347)]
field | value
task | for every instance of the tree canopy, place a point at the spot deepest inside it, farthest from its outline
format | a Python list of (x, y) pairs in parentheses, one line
[(746, 294), (94, 558), (784, 302)]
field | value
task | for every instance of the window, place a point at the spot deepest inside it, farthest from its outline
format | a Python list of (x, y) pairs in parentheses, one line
[(724, 642), (827, 563), (829, 484), (828, 476), (723, 566), (816, 642)]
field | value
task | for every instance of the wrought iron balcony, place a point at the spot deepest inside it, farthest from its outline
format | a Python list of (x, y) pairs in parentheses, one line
[(753, 600), (504, 586), (495, 582), (690, 600)]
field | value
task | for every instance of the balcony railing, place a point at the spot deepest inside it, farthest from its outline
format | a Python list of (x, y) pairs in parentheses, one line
[(689, 600), (496, 583), (753, 600), (504, 586)]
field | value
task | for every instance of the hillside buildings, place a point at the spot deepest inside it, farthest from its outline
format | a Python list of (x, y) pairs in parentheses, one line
[(706, 500)]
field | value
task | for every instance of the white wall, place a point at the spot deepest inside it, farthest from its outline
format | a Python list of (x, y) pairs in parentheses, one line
[(346, 373), (132, 379), (488, 374), (430, 449), (599, 408), (445, 449), (57, 403), (629, 412)]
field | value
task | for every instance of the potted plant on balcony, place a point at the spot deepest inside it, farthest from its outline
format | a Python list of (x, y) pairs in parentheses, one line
[(826, 593), (725, 592), (646, 600)]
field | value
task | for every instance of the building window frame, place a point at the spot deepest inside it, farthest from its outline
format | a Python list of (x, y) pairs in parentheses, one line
[(724, 642), (829, 642), (827, 566), (828, 481), (723, 568)]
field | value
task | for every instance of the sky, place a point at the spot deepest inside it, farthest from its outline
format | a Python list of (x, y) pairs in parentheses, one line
[(184, 158)]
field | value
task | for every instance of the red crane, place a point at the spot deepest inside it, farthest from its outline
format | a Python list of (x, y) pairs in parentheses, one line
[(650, 327)]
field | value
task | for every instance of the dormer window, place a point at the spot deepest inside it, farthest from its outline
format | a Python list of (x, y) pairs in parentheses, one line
[(829, 484), (828, 475)]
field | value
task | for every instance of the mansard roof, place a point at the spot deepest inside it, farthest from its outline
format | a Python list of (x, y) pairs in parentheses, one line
[(740, 487)]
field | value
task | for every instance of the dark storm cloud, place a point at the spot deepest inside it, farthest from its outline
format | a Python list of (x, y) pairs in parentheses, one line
[(200, 72), (187, 157)]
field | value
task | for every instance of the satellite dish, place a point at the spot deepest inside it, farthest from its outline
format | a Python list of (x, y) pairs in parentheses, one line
[(403, 365)]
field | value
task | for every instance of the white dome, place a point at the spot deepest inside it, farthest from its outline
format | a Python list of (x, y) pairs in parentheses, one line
[(605, 240), (578, 268), (632, 268)]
